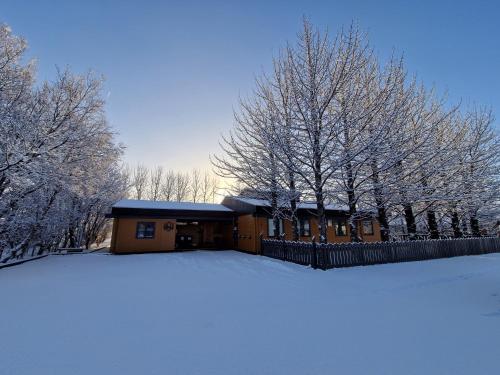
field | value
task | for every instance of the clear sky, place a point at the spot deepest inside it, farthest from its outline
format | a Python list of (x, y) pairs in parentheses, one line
[(174, 69)]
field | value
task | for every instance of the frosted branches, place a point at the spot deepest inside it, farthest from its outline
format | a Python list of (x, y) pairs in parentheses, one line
[(330, 123)]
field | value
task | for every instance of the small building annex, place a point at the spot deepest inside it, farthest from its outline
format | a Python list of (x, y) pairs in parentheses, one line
[(236, 223)]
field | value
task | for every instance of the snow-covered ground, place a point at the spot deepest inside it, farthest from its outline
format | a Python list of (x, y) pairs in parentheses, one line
[(232, 313)]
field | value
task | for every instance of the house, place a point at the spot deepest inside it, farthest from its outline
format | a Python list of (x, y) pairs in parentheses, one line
[(236, 223)]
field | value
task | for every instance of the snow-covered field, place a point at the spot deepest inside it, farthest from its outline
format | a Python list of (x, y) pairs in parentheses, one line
[(232, 313)]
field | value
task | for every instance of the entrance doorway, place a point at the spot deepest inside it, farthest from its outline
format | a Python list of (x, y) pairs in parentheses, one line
[(203, 235)]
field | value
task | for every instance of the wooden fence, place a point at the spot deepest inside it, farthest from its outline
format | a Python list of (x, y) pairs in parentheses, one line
[(332, 255)]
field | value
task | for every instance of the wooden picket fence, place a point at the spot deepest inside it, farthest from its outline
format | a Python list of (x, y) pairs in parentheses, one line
[(333, 255)]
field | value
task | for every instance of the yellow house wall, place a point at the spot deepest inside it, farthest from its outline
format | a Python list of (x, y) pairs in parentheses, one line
[(124, 231), (375, 237), (249, 230), (113, 235), (330, 231), (247, 233)]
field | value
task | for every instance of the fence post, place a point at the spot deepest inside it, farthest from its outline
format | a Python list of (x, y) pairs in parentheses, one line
[(394, 251), (283, 245), (314, 255), (261, 238), (361, 253)]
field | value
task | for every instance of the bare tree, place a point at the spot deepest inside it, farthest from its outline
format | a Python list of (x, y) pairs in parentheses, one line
[(168, 186), (214, 188), (196, 185), (249, 157), (480, 167), (206, 187), (140, 181), (155, 183), (332, 123), (320, 69), (182, 182)]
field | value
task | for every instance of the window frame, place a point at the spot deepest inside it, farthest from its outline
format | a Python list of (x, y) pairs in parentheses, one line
[(302, 220), (372, 231), (270, 221), (144, 231), (338, 223)]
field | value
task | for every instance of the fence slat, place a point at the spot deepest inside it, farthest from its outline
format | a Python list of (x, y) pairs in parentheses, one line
[(333, 255)]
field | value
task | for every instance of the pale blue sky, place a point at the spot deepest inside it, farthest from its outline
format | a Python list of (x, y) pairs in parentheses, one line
[(174, 69)]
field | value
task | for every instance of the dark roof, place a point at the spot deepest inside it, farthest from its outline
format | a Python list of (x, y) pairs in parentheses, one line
[(227, 210), (167, 205), (253, 205), (171, 210)]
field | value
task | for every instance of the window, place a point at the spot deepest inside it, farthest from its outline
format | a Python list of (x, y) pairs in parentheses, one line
[(270, 227), (330, 222), (340, 228), (304, 228), (368, 227), (145, 230)]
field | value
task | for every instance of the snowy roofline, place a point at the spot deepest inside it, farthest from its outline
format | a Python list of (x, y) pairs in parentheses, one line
[(301, 205), (214, 207), (166, 205)]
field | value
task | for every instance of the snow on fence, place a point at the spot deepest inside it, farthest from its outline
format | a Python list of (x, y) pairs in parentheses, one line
[(332, 255)]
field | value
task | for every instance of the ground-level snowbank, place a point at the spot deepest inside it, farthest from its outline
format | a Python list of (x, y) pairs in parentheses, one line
[(232, 313)]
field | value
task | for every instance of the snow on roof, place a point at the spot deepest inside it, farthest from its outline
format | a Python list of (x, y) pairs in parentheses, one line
[(312, 206), (164, 205), (302, 205)]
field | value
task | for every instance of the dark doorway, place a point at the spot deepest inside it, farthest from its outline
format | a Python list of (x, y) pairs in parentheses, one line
[(204, 235)]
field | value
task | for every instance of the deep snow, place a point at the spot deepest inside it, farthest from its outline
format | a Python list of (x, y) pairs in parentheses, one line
[(231, 313)]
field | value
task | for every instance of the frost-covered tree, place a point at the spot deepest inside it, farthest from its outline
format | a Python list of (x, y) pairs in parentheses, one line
[(248, 159), (368, 106), (56, 153), (479, 170), (330, 123), (320, 71)]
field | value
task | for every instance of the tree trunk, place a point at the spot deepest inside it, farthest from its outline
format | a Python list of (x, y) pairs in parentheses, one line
[(432, 223), (379, 201), (320, 199), (351, 201), (411, 226), (384, 223), (274, 212), (293, 206), (3, 184), (455, 224), (465, 229), (353, 223), (320, 203), (72, 241), (474, 226)]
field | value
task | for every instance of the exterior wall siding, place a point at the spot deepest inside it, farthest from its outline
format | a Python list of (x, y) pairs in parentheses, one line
[(331, 236), (376, 236), (247, 238), (124, 236), (250, 227)]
